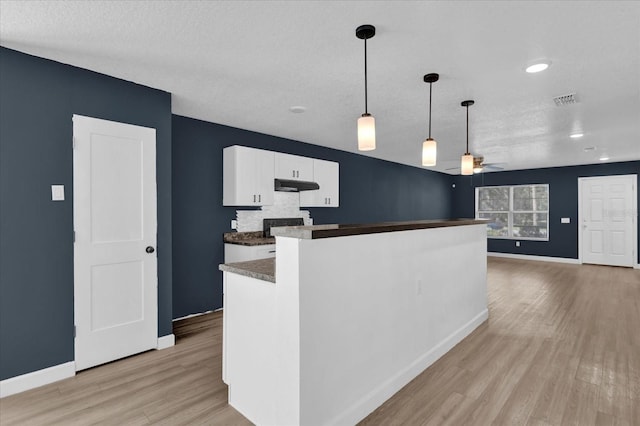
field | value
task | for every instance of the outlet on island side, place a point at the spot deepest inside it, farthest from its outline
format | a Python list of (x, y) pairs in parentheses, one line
[(517, 243)]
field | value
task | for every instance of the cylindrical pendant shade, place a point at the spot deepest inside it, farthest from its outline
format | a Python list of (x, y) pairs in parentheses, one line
[(366, 133), (466, 165), (429, 152)]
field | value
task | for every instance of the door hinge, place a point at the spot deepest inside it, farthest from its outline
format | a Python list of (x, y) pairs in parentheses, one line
[(73, 142), (74, 236), (74, 332)]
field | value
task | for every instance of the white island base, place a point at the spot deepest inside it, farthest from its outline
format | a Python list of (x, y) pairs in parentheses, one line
[(349, 321)]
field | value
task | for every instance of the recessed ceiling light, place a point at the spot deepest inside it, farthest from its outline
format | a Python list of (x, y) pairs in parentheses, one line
[(297, 109), (604, 158), (576, 135), (538, 66), (589, 148)]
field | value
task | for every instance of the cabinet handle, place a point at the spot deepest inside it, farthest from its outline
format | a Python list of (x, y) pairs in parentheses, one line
[(298, 173), (329, 200), (293, 173), (259, 198), (254, 198)]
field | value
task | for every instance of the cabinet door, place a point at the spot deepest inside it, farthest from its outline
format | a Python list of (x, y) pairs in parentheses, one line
[(327, 175), (293, 167), (247, 177), (263, 177)]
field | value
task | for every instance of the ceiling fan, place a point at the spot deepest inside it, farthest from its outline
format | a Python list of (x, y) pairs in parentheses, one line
[(480, 166)]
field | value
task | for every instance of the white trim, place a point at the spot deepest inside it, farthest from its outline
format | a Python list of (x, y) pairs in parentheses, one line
[(533, 257), (194, 315), (580, 180), (368, 403), (37, 378), (165, 342), (636, 266)]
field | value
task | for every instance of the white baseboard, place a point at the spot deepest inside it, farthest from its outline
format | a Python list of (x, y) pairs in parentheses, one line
[(386, 390), (45, 376), (537, 258), (36, 379), (167, 341), (194, 315), (636, 266)]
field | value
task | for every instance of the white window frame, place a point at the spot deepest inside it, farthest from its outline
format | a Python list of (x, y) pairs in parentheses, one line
[(511, 211)]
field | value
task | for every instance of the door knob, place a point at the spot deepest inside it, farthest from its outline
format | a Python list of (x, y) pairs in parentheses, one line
[(150, 249)]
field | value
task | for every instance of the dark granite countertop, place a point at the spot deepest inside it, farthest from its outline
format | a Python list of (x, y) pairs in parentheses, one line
[(330, 231), (247, 238), (262, 269)]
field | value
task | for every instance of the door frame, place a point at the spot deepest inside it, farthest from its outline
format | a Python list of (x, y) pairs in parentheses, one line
[(634, 196)]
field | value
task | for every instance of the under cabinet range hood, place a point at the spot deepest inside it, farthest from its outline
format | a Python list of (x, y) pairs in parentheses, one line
[(287, 185)]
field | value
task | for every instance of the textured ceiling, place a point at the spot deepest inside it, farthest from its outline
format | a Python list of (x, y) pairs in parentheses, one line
[(245, 63)]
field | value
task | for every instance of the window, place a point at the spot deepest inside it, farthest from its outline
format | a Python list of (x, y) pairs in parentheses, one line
[(518, 212)]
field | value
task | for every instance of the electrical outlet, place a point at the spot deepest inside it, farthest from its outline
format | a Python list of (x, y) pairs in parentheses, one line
[(517, 243), (565, 220), (234, 224)]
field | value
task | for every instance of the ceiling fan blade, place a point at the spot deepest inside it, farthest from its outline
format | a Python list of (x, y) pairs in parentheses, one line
[(492, 167)]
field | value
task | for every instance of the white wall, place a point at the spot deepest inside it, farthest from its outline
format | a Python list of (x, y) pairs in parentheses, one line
[(376, 310)]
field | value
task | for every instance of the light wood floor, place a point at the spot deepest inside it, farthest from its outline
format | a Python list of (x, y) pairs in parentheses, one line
[(561, 347)]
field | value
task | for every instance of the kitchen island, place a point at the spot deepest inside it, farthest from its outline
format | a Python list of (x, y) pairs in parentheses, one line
[(354, 312)]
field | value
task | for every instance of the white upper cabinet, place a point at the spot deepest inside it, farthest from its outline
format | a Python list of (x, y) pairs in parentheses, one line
[(293, 167), (327, 175), (248, 175)]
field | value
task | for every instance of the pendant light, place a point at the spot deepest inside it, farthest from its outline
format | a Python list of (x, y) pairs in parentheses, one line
[(429, 148), (366, 123), (466, 163)]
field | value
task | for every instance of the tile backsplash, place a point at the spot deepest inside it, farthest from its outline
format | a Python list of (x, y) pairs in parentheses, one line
[(285, 204)]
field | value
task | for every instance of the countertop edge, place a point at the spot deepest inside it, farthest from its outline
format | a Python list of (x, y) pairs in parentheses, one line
[(332, 231), (261, 269), (253, 243)]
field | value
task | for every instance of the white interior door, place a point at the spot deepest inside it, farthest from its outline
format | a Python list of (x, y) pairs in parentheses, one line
[(115, 264), (608, 220)]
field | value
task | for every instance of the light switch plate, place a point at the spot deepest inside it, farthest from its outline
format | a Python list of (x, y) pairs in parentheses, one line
[(57, 192), (565, 220)]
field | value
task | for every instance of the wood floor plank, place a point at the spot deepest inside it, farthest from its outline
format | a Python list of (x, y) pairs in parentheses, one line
[(521, 401), (561, 347), (603, 419), (553, 397), (614, 398), (582, 404)]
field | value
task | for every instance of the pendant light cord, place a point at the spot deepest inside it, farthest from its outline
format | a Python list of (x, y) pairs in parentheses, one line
[(365, 77), (467, 153), (430, 84)]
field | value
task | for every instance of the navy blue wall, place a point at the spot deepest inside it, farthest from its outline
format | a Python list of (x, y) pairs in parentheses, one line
[(37, 100), (563, 202), (371, 190)]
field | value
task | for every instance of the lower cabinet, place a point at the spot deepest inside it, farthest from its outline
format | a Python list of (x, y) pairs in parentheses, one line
[(239, 253)]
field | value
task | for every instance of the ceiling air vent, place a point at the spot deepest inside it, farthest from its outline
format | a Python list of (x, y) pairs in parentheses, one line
[(565, 99)]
